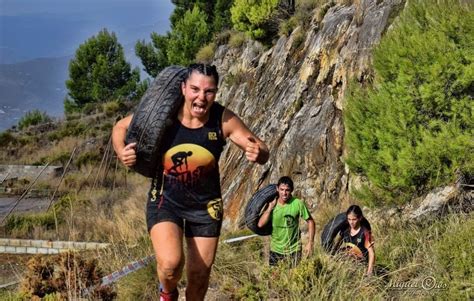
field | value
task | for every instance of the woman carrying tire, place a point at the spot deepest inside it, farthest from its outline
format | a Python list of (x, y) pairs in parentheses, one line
[(185, 197), (357, 241)]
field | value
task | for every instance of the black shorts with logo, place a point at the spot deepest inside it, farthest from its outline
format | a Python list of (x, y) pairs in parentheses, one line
[(196, 222)]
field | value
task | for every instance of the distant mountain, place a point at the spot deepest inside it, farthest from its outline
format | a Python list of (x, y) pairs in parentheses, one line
[(40, 84), (38, 38), (36, 84)]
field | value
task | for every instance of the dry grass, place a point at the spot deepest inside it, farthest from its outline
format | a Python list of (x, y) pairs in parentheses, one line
[(64, 277), (205, 55), (405, 252), (109, 207), (101, 214)]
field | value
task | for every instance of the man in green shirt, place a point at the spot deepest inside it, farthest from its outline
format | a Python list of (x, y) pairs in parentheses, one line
[(284, 213)]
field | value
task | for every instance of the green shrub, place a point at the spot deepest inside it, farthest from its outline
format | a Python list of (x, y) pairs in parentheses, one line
[(325, 8), (237, 39), (70, 128), (412, 129), (287, 26), (221, 15), (222, 38), (90, 157), (111, 108), (187, 36), (452, 250), (437, 248), (106, 127), (206, 54), (33, 117), (255, 17), (24, 224), (59, 158), (91, 108), (299, 38), (301, 17), (237, 77), (7, 138)]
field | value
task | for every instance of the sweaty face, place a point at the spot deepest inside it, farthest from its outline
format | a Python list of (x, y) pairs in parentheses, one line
[(353, 220), (199, 92), (284, 192)]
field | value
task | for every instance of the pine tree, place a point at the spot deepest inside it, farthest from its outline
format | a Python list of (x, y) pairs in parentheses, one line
[(192, 22), (188, 36), (412, 129), (153, 55), (222, 15), (99, 73)]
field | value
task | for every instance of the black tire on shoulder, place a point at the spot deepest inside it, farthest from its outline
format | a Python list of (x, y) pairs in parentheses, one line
[(331, 229), (157, 107), (256, 205)]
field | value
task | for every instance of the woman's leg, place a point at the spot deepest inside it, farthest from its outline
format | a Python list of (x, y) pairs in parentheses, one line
[(200, 257), (167, 239)]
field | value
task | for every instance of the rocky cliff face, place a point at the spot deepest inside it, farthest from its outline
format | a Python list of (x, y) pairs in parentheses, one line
[(292, 96)]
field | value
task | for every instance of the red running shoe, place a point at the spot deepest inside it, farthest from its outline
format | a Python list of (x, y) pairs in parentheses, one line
[(173, 296)]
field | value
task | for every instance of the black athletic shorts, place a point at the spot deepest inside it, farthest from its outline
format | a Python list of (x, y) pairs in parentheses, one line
[(160, 211), (293, 258)]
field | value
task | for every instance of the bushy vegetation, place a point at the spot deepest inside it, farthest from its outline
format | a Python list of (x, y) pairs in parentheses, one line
[(237, 39), (193, 24), (24, 225), (301, 17), (33, 117), (99, 73), (189, 34), (7, 138), (206, 53), (222, 19), (435, 248), (65, 278), (68, 129), (153, 54), (411, 129), (111, 108), (256, 18)]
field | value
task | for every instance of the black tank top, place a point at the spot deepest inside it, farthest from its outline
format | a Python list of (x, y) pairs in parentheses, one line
[(189, 173), (355, 245)]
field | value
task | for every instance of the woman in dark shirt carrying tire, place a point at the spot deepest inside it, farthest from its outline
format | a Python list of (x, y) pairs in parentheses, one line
[(357, 239), (185, 197)]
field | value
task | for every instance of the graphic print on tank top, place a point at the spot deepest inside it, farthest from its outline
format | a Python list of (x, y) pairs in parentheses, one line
[(188, 164)]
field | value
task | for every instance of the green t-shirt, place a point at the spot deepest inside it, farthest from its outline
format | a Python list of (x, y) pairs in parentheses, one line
[(286, 234)]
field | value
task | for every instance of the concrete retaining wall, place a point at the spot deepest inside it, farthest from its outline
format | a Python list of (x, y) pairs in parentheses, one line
[(26, 246), (29, 172)]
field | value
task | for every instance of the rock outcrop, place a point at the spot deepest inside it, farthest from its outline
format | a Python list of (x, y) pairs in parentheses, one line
[(292, 96)]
